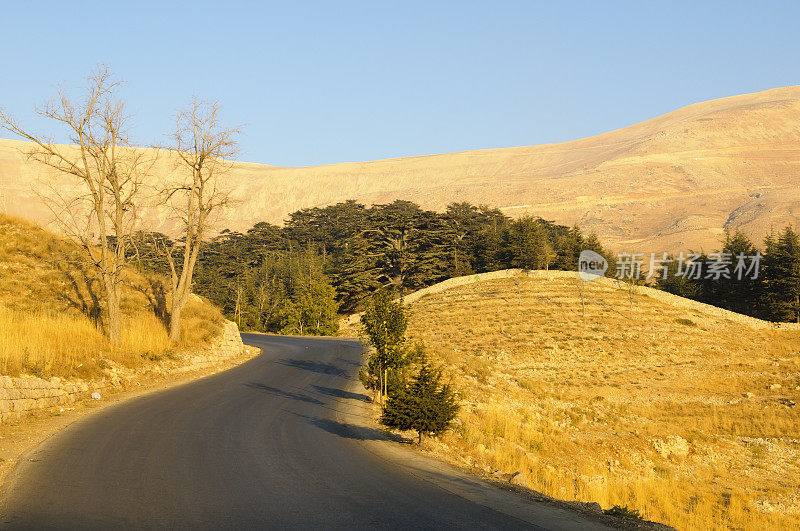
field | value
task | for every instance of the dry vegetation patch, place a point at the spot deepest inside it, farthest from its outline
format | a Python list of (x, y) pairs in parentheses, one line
[(50, 310), (691, 419)]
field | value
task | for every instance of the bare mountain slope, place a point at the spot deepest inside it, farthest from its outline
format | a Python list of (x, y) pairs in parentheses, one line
[(670, 183)]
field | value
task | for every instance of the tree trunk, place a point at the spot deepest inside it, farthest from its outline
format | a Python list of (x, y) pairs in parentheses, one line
[(180, 296), (181, 289), (175, 319), (114, 312), (380, 386)]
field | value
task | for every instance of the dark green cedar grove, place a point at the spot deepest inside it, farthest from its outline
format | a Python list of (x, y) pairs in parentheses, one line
[(268, 278)]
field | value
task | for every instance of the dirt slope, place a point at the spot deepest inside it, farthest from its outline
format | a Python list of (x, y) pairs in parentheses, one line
[(669, 183)]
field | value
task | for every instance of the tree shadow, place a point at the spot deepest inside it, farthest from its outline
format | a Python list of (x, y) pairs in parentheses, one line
[(83, 293), (339, 393), (156, 295), (349, 362), (352, 431), (314, 366), (284, 394)]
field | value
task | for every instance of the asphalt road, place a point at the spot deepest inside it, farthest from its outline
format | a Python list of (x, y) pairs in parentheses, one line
[(257, 446)]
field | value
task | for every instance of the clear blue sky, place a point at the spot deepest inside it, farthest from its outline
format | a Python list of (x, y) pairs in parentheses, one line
[(325, 82)]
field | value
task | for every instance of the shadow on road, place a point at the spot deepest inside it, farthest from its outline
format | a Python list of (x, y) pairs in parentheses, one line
[(313, 366), (349, 362), (284, 394), (338, 393), (353, 431)]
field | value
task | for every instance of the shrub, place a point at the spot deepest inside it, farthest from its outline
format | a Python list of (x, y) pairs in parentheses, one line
[(424, 405), (623, 512)]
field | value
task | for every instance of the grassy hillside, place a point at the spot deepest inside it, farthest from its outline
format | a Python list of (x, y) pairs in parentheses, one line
[(691, 419), (50, 310), (669, 183)]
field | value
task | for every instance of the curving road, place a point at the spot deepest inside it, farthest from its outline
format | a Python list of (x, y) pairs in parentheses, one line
[(261, 445)]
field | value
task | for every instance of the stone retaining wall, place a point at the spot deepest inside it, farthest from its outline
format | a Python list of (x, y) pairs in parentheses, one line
[(663, 296), (25, 394)]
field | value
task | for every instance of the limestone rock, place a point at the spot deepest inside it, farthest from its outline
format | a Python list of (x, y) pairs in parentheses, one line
[(674, 446), (517, 478)]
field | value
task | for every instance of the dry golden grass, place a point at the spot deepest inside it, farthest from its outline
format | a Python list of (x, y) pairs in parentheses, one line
[(56, 344), (201, 322), (48, 326), (651, 412)]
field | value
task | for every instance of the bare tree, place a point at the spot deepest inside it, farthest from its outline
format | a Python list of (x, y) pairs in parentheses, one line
[(202, 149), (98, 179)]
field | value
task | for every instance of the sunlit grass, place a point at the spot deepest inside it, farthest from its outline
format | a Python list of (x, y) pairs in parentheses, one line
[(48, 292), (201, 322), (580, 406), (45, 343)]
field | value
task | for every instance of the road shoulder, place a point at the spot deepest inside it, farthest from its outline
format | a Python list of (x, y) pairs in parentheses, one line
[(528, 506), (20, 437)]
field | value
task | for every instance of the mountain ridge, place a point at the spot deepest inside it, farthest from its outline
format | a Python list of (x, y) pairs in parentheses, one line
[(670, 183)]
